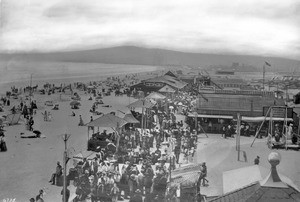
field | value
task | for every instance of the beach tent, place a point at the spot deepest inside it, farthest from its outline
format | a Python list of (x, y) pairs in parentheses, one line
[(156, 96), (129, 118), (13, 119), (107, 120), (141, 104), (89, 155), (167, 89)]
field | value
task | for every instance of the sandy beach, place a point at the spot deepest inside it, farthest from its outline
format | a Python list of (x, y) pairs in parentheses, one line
[(28, 164)]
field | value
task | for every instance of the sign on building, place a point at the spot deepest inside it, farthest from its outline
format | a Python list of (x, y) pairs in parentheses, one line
[(279, 112)]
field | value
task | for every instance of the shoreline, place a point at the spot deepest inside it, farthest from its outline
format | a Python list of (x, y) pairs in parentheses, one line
[(97, 75)]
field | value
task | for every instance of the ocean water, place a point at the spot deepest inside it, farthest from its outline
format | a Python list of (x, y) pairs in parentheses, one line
[(19, 73)]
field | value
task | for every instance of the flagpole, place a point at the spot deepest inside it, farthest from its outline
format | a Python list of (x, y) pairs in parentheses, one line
[(264, 70)]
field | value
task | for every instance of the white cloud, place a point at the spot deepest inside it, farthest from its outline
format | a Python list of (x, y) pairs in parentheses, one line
[(267, 27)]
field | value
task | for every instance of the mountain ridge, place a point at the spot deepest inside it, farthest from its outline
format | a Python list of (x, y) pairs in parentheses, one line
[(155, 57)]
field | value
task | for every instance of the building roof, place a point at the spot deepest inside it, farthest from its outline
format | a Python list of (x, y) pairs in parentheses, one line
[(169, 80), (170, 73), (186, 176), (228, 80), (231, 102), (271, 189)]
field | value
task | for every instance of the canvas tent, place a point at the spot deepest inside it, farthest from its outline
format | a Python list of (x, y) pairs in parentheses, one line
[(156, 96), (129, 118), (141, 104), (107, 121), (12, 119), (167, 89)]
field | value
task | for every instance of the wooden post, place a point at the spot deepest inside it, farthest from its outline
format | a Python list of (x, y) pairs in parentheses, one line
[(261, 125), (65, 138), (271, 122), (264, 71), (285, 122), (238, 134)]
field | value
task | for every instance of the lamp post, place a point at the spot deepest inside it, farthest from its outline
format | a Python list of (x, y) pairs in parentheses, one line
[(65, 138)]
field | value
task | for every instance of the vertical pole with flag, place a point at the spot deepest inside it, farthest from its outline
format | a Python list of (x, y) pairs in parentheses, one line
[(264, 70)]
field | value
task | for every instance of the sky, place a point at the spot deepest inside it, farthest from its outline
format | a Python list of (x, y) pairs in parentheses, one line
[(253, 27)]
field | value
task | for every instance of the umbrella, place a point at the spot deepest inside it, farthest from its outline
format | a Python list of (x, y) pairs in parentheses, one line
[(74, 102), (107, 120)]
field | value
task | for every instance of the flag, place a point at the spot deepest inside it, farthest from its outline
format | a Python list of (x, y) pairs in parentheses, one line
[(268, 64)]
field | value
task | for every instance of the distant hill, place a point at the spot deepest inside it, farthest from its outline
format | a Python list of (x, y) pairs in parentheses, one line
[(157, 57)]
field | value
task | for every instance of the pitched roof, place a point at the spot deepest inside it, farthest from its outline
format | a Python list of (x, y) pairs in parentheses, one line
[(256, 193), (107, 120), (271, 189), (169, 73), (186, 176)]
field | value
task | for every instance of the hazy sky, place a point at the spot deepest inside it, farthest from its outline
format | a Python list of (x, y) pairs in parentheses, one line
[(259, 27)]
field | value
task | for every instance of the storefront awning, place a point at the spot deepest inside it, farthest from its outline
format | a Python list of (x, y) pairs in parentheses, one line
[(244, 118), (210, 116), (261, 118)]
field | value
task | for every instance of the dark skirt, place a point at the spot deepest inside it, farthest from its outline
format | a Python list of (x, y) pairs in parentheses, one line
[(3, 146)]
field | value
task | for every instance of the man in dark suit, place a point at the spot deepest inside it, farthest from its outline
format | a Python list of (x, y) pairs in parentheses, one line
[(57, 173)]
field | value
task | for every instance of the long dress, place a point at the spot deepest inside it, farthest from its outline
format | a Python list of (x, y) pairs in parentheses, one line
[(2, 144)]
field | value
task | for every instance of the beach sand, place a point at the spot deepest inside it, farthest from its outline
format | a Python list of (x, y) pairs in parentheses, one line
[(28, 164)]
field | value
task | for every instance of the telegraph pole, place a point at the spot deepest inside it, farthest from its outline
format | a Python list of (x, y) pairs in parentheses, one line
[(65, 158), (238, 135), (30, 91), (264, 72)]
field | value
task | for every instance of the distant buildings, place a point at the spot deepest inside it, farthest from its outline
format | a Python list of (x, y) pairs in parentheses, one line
[(231, 83), (157, 83)]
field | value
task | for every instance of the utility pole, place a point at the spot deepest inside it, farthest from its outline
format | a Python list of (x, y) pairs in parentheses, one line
[(65, 158), (143, 104), (30, 91), (264, 72), (238, 135)]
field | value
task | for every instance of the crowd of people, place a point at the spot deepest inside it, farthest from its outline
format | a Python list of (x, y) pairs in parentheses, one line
[(139, 168)]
